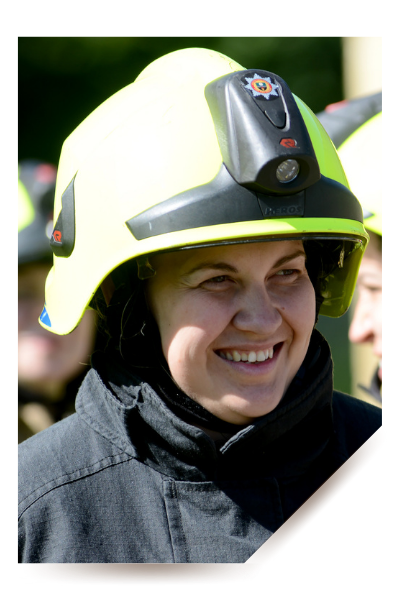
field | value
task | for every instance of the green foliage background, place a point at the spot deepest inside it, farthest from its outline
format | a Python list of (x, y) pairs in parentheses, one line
[(61, 80)]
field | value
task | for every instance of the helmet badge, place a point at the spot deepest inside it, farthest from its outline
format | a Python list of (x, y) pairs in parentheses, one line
[(44, 317), (261, 86)]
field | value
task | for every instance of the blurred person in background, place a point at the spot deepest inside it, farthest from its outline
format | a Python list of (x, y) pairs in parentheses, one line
[(355, 127), (50, 367)]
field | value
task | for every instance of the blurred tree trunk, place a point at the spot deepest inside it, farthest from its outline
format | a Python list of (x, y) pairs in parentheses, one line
[(362, 66)]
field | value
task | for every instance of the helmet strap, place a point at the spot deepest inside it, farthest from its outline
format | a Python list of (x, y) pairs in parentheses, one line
[(108, 288), (145, 270)]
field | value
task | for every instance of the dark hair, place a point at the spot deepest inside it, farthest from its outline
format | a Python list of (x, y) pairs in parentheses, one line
[(126, 323)]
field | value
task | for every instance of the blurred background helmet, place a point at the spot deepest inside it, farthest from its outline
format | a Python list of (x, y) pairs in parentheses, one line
[(355, 127), (36, 188), (198, 151)]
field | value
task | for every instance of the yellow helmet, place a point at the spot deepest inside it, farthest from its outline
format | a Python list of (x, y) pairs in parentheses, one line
[(197, 151), (355, 127), (361, 154)]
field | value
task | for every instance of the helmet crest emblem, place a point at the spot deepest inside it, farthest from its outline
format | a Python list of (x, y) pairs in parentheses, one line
[(261, 86)]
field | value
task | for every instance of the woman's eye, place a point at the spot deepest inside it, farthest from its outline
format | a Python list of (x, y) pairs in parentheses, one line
[(286, 272), (217, 279)]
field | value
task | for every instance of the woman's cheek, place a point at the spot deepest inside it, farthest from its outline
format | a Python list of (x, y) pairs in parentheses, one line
[(299, 307), (307, 305)]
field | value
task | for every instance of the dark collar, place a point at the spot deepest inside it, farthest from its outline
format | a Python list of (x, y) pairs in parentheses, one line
[(123, 407), (375, 387)]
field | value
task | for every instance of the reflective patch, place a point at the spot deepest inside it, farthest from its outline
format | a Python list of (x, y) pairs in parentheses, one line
[(44, 317), (288, 143), (367, 214), (261, 86), (57, 235), (62, 241)]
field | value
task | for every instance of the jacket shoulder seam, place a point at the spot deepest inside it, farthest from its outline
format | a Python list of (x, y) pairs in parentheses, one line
[(87, 471)]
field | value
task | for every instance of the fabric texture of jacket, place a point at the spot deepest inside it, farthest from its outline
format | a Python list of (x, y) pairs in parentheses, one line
[(125, 479)]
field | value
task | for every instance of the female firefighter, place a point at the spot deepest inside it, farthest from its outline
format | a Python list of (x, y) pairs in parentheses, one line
[(203, 212)]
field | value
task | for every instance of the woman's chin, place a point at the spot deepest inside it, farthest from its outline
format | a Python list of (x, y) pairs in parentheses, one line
[(241, 411)]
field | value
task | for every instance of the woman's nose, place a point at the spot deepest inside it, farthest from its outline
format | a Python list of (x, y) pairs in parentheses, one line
[(257, 312)]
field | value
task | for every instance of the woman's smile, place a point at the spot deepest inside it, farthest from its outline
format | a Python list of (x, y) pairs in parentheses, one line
[(251, 356), (251, 362), (235, 323)]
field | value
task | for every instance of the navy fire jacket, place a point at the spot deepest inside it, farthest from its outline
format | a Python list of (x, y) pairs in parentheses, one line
[(126, 480)]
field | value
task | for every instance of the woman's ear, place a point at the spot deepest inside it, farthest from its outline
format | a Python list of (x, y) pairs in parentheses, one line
[(108, 289)]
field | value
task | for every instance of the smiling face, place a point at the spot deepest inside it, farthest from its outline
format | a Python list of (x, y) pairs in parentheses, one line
[(235, 323)]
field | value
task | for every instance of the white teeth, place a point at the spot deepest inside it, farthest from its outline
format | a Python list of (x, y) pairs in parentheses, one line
[(251, 357)]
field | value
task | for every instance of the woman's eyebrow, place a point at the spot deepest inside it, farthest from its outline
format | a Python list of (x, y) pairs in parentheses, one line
[(285, 259), (369, 275), (222, 266)]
